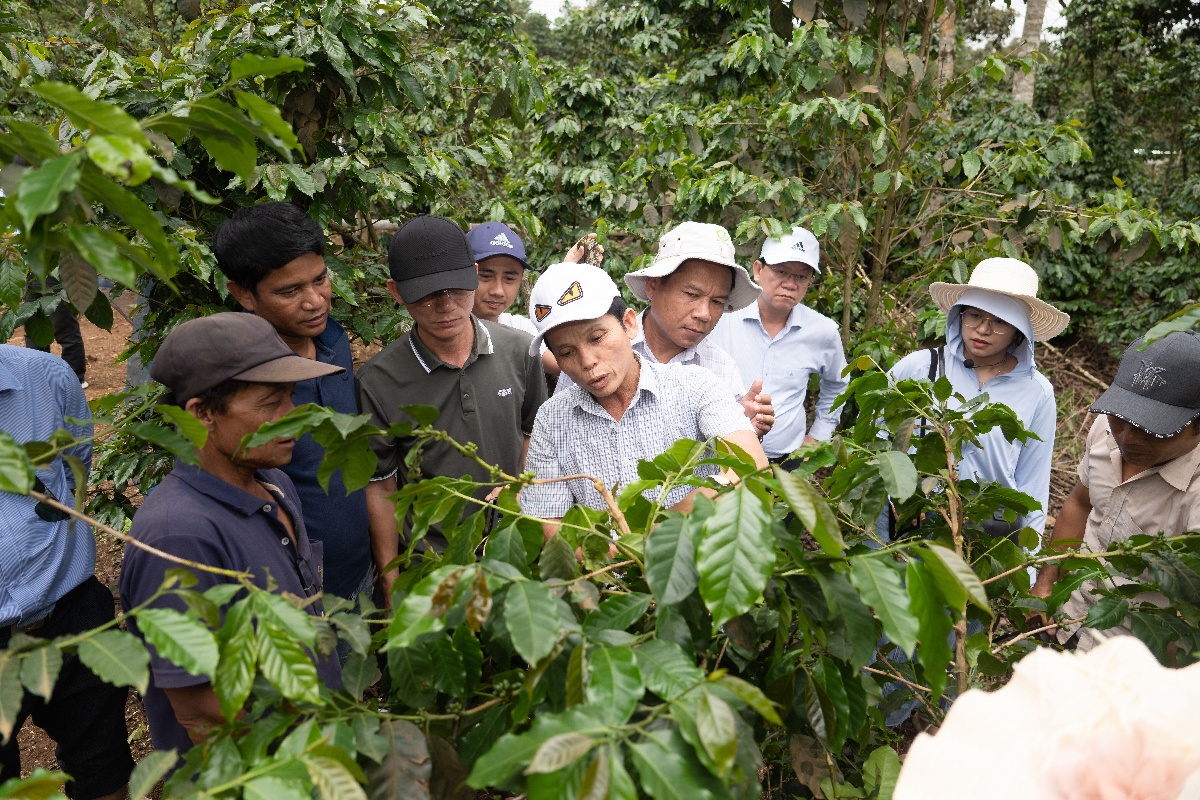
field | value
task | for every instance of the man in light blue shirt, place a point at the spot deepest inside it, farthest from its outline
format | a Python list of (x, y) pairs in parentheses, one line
[(47, 585), (785, 342)]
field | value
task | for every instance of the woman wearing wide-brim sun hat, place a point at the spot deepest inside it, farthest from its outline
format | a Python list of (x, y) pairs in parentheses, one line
[(992, 322)]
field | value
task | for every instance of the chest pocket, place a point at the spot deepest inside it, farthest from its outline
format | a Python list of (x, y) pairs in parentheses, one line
[(1117, 524)]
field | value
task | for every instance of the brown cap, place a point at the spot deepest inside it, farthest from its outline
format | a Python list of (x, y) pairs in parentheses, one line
[(203, 353)]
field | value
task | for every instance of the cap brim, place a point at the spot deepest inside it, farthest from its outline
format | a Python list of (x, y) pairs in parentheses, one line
[(1046, 320), (1153, 416), (422, 286), (745, 291), (524, 264), (287, 369)]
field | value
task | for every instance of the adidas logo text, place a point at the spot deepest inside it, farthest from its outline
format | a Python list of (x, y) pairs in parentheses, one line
[(501, 240)]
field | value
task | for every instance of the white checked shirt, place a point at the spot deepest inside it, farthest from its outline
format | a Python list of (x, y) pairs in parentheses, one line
[(809, 343), (573, 434), (706, 354)]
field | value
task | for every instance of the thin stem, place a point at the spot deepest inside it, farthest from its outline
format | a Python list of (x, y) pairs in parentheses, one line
[(1035, 632)]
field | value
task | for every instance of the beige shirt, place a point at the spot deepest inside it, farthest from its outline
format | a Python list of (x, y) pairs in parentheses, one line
[(1164, 499)]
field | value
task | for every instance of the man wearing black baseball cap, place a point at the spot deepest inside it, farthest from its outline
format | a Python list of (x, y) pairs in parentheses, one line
[(479, 375), (1141, 470), (236, 510)]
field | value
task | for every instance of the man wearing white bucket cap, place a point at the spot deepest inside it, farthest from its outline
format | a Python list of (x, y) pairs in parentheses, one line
[(784, 342), (1141, 470), (693, 280), (992, 322), (623, 407)]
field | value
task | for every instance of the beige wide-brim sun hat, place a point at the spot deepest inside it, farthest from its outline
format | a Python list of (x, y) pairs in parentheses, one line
[(701, 241), (1011, 277)]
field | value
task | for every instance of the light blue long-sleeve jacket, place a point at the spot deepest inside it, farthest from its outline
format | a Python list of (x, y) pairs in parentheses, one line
[(1024, 467)]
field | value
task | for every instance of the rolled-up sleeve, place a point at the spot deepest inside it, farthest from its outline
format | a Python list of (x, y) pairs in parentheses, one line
[(826, 419)]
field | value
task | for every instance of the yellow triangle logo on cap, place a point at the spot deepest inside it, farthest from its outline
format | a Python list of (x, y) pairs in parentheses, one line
[(541, 312), (573, 293)]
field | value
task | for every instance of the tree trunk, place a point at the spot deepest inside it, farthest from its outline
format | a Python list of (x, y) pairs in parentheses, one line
[(947, 43), (1031, 34)]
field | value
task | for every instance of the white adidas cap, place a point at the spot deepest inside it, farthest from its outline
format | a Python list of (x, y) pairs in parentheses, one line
[(568, 293), (799, 245)]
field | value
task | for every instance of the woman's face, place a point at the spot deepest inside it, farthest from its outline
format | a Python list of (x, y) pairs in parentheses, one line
[(985, 336)]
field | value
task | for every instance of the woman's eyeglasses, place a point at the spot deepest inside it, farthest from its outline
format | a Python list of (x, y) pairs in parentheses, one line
[(972, 319)]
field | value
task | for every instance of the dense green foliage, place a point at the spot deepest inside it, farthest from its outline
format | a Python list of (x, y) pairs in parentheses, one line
[(736, 646)]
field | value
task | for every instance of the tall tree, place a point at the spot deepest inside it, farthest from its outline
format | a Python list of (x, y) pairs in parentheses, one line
[(1031, 34)]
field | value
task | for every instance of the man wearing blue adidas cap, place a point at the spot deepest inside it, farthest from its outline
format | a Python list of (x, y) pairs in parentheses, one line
[(501, 262)]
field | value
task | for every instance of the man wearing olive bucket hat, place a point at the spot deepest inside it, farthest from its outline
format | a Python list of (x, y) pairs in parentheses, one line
[(1140, 471), (992, 322)]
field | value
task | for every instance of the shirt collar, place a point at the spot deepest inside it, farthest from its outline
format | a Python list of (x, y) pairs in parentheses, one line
[(1179, 473), (225, 493), (327, 341), (688, 356), (429, 362)]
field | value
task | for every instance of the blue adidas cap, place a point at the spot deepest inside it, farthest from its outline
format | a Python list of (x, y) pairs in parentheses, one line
[(496, 239)]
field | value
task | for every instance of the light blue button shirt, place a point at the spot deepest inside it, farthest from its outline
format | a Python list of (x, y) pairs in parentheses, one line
[(808, 344), (41, 561)]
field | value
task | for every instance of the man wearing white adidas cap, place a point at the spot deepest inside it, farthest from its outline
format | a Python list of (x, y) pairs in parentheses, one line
[(784, 342), (623, 407), (694, 279)]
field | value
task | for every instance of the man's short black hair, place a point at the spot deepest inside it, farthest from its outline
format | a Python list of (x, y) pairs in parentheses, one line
[(617, 309), (217, 398), (259, 239)]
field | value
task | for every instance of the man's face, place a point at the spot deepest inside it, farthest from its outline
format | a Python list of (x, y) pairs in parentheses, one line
[(1143, 450), (295, 298), (596, 354), (249, 408), (783, 285), (442, 317), (687, 304), (499, 283)]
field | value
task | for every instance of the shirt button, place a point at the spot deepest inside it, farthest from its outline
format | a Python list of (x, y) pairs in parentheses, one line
[(267, 508), (283, 541)]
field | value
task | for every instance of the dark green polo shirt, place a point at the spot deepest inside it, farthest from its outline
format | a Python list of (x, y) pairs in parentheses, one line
[(492, 401)]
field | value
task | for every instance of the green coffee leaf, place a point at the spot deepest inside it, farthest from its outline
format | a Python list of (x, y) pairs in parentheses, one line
[(958, 582), (670, 771), (531, 618), (671, 560), (271, 788), (117, 658), (616, 613), (332, 780), (812, 510), (717, 730), (614, 685), (898, 474), (153, 767), (412, 617), (934, 624), (735, 555), (179, 639), (88, 114), (39, 189), (11, 694), (40, 668), (559, 751), (881, 588), (285, 664), (1107, 612), (666, 669), (752, 696), (251, 65)]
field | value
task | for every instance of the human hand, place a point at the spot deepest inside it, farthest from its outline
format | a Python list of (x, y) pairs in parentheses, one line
[(585, 250), (759, 409)]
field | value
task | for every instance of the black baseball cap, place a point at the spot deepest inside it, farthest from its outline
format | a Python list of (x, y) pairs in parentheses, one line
[(203, 353), (431, 254), (1156, 389)]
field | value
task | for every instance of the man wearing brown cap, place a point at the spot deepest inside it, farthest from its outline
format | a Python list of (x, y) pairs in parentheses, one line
[(479, 375), (1140, 473), (236, 510)]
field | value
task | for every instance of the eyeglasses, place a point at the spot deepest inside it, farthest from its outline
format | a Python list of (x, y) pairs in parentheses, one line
[(46, 512), (453, 295), (972, 319), (785, 274)]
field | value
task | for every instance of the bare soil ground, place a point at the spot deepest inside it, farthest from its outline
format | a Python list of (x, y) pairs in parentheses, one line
[(1076, 369)]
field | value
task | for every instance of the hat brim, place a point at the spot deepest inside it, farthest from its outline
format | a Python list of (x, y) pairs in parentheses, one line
[(1046, 320), (1153, 416), (745, 291), (420, 287), (287, 369), (524, 264)]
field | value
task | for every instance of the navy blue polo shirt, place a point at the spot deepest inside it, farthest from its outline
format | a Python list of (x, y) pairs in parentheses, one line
[(337, 519), (198, 516)]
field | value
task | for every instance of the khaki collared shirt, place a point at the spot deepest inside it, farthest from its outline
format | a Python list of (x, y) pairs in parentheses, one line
[(1163, 499)]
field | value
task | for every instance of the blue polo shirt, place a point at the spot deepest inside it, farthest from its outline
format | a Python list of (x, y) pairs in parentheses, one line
[(198, 516), (337, 519)]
